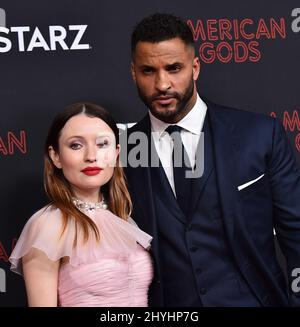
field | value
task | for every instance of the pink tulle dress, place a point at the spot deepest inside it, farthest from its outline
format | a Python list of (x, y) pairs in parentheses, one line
[(116, 271)]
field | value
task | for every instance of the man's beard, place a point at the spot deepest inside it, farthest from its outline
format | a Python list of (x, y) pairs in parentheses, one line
[(170, 115)]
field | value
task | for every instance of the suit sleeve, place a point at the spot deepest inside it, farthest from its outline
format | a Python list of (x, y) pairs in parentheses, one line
[(284, 175)]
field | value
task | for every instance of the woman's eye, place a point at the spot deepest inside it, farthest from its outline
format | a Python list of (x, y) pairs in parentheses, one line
[(103, 144), (75, 146)]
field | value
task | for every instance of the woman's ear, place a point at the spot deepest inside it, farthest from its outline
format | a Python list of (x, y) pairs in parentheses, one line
[(54, 157), (118, 150), (117, 157)]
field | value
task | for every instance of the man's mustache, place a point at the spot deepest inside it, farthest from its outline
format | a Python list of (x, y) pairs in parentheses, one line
[(158, 95)]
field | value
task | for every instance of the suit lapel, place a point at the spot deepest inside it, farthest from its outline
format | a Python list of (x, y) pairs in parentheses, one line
[(225, 145), (166, 191), (223, 142), (198, 184), (140, 185)]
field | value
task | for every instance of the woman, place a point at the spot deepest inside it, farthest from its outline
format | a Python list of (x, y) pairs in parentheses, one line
[(82, 250)]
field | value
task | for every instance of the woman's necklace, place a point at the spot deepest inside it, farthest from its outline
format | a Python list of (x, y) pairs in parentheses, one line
[(87, 206)]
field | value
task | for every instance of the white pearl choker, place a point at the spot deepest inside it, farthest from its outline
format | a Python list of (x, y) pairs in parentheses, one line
[(82, 205)]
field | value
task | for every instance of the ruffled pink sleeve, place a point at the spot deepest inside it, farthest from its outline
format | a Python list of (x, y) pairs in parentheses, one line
[(43, 232)]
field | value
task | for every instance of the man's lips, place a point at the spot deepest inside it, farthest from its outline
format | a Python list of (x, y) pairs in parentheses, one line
[(164, 100), (91, 171)]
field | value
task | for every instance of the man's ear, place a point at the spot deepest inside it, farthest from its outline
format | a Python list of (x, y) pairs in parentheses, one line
[(54, 157), (196, 68), (133, 71)]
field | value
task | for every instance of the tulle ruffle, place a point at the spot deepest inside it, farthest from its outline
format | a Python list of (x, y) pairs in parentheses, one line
[(43, 232)]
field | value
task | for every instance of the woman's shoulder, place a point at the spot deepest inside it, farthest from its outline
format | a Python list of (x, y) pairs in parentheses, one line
[(42, 218), (43, 231), (45, 211), (48, 224)]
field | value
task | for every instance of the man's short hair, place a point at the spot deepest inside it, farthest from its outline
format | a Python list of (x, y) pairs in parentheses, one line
[(161, 27)]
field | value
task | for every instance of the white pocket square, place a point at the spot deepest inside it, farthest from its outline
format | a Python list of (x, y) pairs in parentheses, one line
[(241, 187)]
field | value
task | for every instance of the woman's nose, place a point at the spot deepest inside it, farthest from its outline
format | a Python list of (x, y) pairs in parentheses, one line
[(91, 154)]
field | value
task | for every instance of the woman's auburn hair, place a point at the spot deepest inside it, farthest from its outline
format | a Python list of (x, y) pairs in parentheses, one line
[(59, 190)]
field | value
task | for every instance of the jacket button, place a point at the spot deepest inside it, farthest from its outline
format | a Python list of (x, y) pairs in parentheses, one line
[(199, 271), (203, 291), (193, 248)]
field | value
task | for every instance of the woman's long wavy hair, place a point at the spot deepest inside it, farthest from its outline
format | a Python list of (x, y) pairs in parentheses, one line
[(59, 190)]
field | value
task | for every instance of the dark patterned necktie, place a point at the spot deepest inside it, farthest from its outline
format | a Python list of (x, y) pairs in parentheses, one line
[(181, 165)]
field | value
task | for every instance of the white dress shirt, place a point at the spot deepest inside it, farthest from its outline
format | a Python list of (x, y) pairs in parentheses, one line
[(192, 125)]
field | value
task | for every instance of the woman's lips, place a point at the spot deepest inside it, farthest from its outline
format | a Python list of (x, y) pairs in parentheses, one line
[(91, 171)]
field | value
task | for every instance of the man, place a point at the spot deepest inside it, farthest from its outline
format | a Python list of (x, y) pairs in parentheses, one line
[(213, 235)]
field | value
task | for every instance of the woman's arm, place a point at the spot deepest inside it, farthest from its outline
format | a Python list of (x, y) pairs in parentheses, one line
[(41, 279)]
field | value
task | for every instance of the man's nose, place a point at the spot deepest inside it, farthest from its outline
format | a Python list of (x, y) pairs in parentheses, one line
[(162, 82)]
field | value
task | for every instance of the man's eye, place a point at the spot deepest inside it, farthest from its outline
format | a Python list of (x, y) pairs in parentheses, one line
[(174, 68), (147, 70), (75, 146)]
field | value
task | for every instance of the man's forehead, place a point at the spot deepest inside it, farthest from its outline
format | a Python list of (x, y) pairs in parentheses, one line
[(174, 48), (175, 43)]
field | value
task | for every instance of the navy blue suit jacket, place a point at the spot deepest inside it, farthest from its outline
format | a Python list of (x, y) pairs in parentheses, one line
[(246, 146)]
